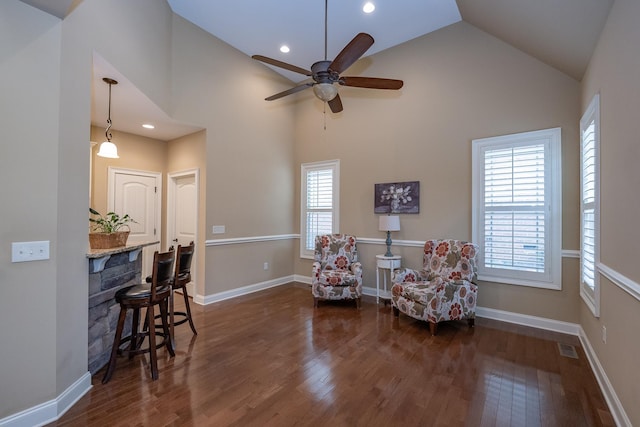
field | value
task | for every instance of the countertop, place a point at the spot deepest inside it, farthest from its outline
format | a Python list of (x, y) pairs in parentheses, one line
[(99, 253)]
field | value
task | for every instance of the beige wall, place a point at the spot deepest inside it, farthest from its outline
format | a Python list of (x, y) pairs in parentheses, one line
[(249, 154), (29, 109), (613, 72), (459, 84)]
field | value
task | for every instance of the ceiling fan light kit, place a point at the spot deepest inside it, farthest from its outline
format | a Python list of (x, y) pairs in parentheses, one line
[(325, 91), (326, 74)]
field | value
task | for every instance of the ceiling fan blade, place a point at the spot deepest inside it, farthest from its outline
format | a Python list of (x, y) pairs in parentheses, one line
[(351, 52), (335, 104), (371, 82), (281, 64), (289, 91)]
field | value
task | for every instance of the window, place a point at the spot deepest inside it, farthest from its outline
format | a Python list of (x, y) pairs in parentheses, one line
[(589, 205), (319, 200), (517, 212)]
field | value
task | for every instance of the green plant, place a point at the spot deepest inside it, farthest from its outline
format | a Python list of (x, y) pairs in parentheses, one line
[(110, 223)]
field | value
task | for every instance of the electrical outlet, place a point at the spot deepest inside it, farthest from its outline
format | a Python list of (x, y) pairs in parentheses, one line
[(604, 334), (29, 251), (266, 266)]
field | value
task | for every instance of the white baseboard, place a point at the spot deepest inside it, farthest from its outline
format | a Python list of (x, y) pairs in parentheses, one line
[(233, 293), (302, 279), (50, 411), (610, 396), (526, 320)]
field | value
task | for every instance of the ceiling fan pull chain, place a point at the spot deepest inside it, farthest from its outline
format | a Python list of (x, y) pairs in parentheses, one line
[(324, 115)]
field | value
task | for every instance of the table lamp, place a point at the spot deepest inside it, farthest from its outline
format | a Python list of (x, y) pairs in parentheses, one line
[(389, 223)]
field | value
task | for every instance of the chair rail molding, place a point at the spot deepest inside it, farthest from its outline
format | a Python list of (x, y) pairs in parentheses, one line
[(620, 280), (250, 239)]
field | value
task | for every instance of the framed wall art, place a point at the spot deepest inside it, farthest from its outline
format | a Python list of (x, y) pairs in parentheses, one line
[(397, 197)]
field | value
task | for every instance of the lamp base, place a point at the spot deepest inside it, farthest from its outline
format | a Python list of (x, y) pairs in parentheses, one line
[(388, 242)]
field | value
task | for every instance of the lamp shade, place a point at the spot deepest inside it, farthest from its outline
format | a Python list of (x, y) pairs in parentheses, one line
[(389, 223), (109, 150)]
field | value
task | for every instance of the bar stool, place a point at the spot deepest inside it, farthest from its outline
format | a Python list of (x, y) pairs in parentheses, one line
[(182, 277), (146, 295)]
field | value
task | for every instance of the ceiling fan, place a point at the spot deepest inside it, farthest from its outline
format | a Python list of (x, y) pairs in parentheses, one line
[(325, 74)]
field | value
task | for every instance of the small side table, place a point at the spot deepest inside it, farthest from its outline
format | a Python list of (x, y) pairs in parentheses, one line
[(385, 263)]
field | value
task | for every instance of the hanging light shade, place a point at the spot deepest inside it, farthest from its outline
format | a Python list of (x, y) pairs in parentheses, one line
[(108, 149)]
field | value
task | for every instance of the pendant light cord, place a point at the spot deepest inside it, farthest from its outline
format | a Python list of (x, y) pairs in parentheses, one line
[(110, 82)]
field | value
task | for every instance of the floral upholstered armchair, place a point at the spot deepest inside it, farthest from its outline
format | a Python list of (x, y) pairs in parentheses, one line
[(444, 289), (337, 274)]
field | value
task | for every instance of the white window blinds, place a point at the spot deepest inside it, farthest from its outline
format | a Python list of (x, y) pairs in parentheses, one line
[(514, 208), (319, 210), (589, 205), (517, 214), (319, 204)]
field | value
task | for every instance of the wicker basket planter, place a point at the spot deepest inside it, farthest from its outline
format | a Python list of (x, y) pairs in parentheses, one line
[(108, 240)]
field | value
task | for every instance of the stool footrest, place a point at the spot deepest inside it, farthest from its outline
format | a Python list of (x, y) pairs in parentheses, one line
[(140, 338)]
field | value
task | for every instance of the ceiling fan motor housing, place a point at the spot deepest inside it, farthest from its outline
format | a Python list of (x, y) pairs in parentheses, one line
[(321, 73)]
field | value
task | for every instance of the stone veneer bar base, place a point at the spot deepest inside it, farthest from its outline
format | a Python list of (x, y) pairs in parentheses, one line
[(109, 271)]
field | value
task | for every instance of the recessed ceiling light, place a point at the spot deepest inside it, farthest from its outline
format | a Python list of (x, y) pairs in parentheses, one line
[(368, 7), (284, 48), (148, 126)]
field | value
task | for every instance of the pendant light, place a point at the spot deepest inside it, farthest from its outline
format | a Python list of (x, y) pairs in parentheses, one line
[(108, 149)]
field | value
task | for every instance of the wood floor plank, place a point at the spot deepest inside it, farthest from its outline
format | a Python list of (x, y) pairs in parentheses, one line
[(271, 359)]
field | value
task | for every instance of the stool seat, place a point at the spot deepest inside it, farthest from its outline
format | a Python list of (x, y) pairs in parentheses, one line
[(145, 295), (142, 290)]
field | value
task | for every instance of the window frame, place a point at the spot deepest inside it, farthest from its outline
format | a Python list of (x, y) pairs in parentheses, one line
[(305, 168), (591, 296), (551, 139)]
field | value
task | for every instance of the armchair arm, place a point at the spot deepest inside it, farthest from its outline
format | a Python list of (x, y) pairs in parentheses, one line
[(402, 275), (356, 268), (459, 283), (315, 272)]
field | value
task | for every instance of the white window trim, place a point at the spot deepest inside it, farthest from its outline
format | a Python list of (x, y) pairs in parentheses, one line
[(552, 278), (334, 165), (590, 296)]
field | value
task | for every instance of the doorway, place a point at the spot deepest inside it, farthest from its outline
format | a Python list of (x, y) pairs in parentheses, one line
[(183, 190)]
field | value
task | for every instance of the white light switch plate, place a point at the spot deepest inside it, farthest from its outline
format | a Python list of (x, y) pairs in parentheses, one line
[(218, 229), (29, 251)]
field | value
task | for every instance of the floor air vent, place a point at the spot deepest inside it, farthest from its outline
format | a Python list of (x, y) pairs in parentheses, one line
[(567, 350)]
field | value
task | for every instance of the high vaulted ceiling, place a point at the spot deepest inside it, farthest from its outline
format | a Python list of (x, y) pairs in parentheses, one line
[(561, 33)]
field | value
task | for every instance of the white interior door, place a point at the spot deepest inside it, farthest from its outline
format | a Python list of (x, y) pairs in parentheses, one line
[(138, 194), (182, 214)]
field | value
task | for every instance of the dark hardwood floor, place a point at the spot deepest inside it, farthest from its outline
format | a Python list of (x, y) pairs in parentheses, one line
[(271, 359)]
